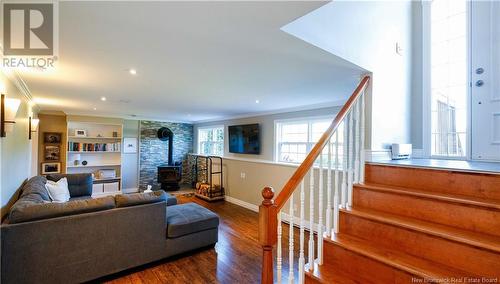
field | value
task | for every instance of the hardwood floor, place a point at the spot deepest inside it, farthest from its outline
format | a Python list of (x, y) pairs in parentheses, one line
[(236, 257)]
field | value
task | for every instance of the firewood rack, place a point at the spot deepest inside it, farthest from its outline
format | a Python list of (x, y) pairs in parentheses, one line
[(205, 187)]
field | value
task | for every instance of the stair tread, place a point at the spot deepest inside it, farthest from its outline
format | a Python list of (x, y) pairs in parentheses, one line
[(456, 198), (479, 240), (328, 274), (412, 265)]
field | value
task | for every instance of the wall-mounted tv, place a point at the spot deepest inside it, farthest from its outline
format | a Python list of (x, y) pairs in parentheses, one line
[(244, 139)]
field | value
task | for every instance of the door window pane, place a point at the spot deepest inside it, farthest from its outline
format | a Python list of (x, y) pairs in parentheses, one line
[(448, 77)]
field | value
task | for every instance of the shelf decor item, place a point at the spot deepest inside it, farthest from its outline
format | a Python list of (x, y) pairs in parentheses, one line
[(77, 157), (80, 133), (130, 145), (52, 137), (52, 153), (51, 168)]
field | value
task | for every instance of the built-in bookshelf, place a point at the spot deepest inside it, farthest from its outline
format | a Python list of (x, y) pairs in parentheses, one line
[(96, 148)]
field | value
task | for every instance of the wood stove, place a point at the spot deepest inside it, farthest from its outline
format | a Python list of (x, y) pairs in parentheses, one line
[(169, 175)]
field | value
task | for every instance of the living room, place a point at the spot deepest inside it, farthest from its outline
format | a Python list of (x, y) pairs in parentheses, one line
[(213, 142)]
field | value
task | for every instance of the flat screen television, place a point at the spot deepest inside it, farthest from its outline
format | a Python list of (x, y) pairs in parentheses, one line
[(244, 139)]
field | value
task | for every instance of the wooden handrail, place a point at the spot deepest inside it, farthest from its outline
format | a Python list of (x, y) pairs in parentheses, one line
[(301, 172), (268, 210)]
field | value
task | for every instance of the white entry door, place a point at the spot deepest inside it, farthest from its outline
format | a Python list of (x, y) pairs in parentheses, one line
[(485, 80)]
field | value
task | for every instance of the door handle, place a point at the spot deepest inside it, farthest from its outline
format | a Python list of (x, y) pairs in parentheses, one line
[(479, 83)]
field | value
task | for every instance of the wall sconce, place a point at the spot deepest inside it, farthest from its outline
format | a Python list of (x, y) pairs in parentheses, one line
[(33, 126), (8, 113)]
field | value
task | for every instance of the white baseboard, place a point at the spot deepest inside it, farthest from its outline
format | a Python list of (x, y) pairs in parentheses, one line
[(242, 203), (377, 155), (296, 222), (284, 216)]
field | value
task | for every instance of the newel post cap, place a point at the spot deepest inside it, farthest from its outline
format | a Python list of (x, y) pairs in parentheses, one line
[(268, 195)]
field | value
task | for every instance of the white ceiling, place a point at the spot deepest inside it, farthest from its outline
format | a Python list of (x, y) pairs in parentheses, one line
[(195, 61)]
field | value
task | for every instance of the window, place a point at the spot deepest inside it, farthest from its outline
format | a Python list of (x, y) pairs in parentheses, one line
[(448, 77), (295, 138), (211, 141)]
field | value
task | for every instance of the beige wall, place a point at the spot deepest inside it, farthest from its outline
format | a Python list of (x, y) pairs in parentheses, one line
[(15, 149), (261, 174), (52, 123), (260, 170), (266, 123)]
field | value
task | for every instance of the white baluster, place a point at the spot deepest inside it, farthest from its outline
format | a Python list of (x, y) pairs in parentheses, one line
[(290, 243), (329, 191), (350, 163), (362, 141), (311, 219), (320, 211), (336, 193), (302, 237), (344, 165), (356, 143), (279, 258)]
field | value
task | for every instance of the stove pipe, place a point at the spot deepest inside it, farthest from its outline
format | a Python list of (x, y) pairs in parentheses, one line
[(165, 134)]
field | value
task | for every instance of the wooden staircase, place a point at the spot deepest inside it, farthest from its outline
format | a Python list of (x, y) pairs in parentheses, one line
[(415, 225)]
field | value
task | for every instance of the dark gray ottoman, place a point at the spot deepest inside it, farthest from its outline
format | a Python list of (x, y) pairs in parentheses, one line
[(190, 226), (171, 200)]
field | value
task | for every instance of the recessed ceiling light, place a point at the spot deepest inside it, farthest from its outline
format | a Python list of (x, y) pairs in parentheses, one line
[(103, 99), (132, 71), (257, 101), (95, 108)]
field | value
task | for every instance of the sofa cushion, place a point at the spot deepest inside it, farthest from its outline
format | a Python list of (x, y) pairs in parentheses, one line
[(78, 184), (132, 199), (58, 191), (188, 218), (34, 190), (80, 198), (23, 212)]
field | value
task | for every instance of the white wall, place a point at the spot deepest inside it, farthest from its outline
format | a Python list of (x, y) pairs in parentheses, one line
[(15, 149), (365, 33), (130, 161), (417, 77)]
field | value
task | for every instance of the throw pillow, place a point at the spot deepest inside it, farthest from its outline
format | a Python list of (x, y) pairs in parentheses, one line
[(58, 191)]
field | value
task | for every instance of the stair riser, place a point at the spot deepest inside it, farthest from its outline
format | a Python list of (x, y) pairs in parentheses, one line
[(474, 218), (469, 184), (366, 270), (310, 280), (447, 252)]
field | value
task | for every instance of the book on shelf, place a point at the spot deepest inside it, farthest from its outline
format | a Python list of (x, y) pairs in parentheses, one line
[(94, 147)]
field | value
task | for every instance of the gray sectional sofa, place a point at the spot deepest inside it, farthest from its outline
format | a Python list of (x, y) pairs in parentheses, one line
[(87, 238)]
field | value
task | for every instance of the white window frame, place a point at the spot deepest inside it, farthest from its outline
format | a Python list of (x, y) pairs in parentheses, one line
[(198, 142), (309, 143), (426, 85)]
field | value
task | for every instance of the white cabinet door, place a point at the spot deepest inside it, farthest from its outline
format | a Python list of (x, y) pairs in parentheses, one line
[(485, 74), (111, 187), (97, 188)]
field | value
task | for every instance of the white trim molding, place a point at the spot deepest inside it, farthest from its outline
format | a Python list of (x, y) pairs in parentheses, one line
[(377, 155), (242, 203), (285, 217)]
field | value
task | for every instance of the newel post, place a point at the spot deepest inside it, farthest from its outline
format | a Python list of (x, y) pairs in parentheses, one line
[(267, 233)]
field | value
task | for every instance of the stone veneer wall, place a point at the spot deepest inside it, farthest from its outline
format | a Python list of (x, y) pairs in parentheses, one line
[(154, 152)]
